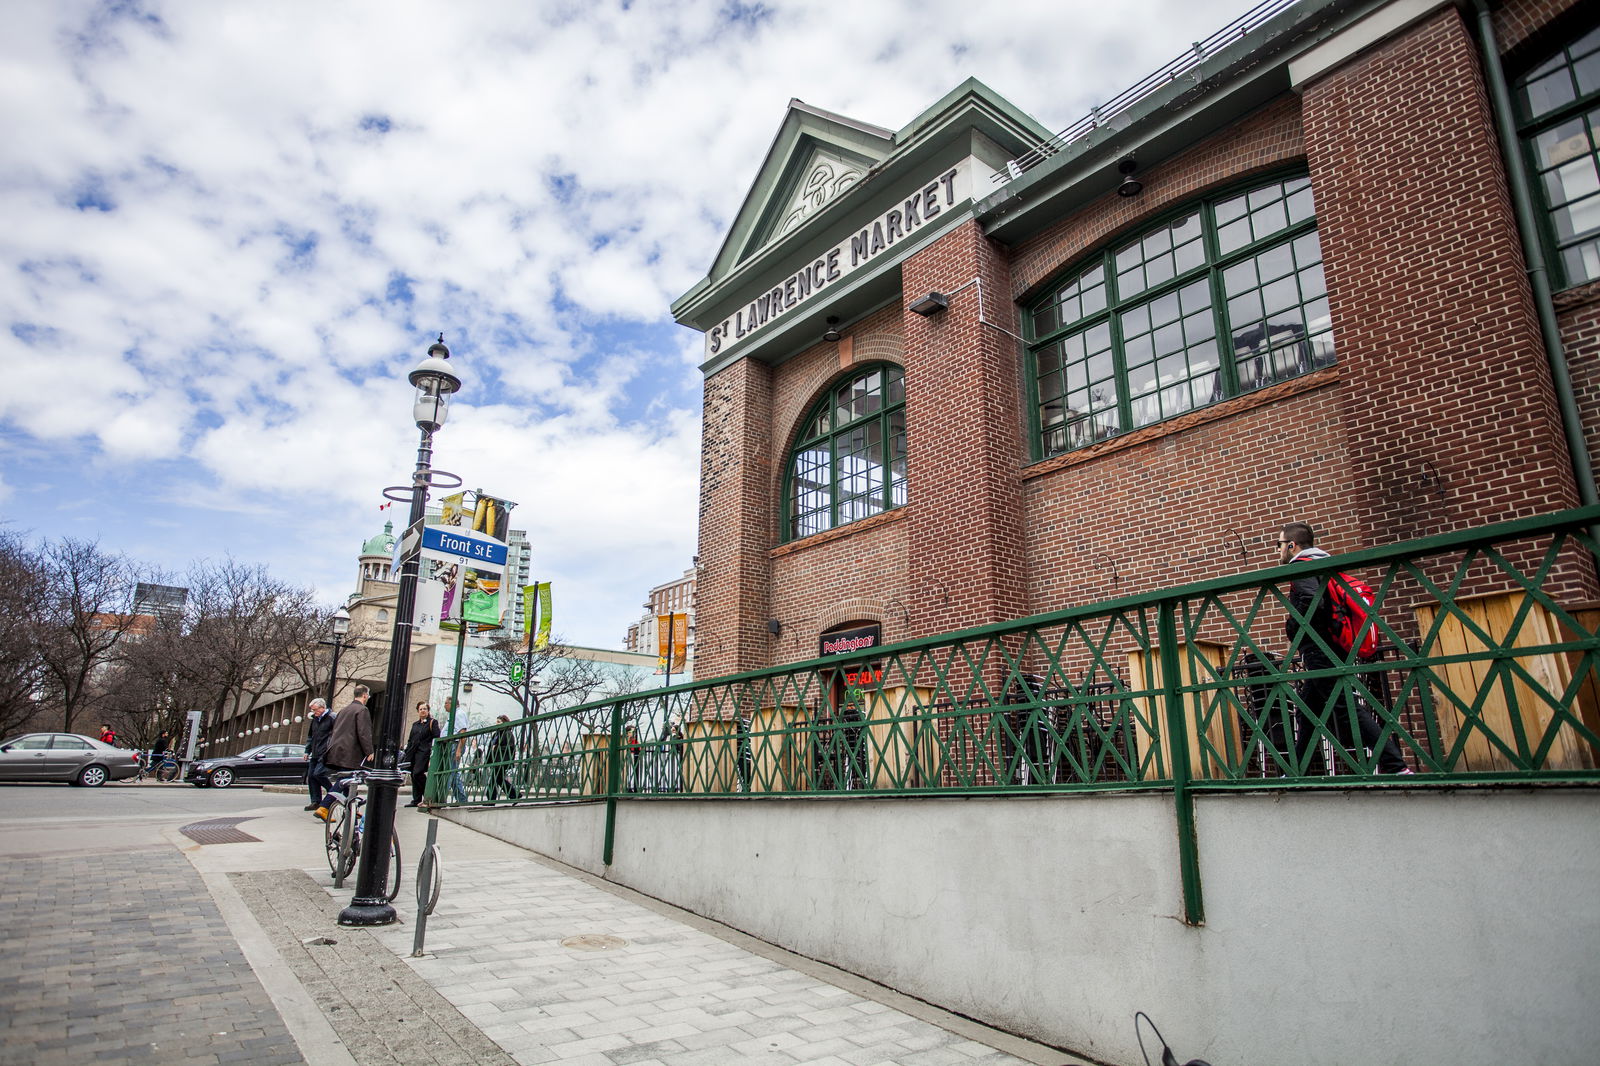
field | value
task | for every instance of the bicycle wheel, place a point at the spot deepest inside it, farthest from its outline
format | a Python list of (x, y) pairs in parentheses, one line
[(391, 887), (349, 842), (167, 772), (331, 841)]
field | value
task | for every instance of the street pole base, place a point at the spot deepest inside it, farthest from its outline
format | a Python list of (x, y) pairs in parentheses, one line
[(368, 912)]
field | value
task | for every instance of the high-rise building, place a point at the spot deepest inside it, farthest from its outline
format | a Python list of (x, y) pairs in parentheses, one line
[(165, 602), (670, 597)]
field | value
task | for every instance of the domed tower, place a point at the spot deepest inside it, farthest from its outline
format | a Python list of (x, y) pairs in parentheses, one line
[(377, 558), (377, 585)]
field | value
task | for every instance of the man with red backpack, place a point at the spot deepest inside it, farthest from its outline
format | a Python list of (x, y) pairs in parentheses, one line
[(1337, 617)]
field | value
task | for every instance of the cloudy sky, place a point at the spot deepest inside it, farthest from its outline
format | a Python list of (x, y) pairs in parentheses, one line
[(231, 229)]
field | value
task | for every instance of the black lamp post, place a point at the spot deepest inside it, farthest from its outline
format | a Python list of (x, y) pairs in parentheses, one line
[(435, 383), (340, 623)]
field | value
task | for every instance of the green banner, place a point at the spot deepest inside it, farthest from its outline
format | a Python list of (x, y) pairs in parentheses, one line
[(530, 607), (543, 639), (482, 603)]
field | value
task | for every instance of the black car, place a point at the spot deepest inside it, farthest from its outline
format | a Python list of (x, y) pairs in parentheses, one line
[(267, 764)]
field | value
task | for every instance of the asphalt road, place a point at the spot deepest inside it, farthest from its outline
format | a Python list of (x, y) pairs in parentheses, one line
[(51, 819)]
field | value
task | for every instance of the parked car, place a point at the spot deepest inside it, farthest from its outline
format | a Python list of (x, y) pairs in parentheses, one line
[(65, 757), (267, 764)]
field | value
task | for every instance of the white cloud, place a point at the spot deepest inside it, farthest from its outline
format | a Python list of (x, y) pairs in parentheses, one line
[(220, 209)]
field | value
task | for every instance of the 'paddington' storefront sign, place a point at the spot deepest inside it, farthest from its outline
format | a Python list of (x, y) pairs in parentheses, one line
[(847, 641), (917, 209)]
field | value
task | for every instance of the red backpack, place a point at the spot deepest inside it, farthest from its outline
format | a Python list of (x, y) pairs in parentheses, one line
[(1351, 600)]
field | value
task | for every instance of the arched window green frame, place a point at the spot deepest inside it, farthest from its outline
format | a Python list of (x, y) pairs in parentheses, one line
[(1558, 112), (1225, 297), (849, 460)]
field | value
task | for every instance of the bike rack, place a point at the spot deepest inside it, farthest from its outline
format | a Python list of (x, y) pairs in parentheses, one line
[(430, 880)]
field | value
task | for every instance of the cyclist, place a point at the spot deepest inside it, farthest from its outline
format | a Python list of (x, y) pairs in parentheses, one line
[(349, 745)]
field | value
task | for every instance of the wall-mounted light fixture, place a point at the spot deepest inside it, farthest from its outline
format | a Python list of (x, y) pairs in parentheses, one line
[(931, 304), (1131, 186), (832, 334), (774, 626)]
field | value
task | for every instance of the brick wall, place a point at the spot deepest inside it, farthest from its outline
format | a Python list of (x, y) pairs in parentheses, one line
[(1522, 23), (1448, 404), (1580, 336), (823, 582), (1190, 505), (963, 439), (736, 520)]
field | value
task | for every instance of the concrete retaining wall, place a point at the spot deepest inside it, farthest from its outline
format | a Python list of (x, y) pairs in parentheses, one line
[(1369, 926)]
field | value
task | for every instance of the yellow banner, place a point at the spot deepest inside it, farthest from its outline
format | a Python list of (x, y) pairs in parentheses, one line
[(492, 515), (672, 641)]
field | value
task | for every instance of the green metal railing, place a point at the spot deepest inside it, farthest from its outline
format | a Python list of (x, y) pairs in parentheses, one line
[(1486, 672)]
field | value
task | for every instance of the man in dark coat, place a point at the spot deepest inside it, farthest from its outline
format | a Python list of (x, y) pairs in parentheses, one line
[(318, 731), (418, 750), (1323, 707), (501, 757), (349, 744)]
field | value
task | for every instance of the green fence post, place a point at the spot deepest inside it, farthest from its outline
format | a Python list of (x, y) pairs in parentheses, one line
[(434, 794), (613, 778), (1178, 748)]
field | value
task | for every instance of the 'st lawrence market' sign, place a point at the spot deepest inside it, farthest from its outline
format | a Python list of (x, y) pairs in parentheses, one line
[(921, 206)]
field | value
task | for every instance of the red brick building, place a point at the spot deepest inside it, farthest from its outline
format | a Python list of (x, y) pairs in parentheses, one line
[(965, 371)]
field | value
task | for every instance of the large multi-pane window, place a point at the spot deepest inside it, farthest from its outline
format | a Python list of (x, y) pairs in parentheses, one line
[(1559, 105), (1225, 298), (849, 461)]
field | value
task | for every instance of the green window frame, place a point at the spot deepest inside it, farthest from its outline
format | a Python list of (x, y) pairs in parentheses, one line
[(849, 460), (1226, 297), (1558, 110)]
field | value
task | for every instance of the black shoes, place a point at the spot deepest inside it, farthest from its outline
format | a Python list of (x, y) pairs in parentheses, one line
[(311, 806), (411, 804)]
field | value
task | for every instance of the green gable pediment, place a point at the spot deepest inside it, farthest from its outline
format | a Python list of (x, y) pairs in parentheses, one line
[(834, 207), (812, 185), (815, 159)]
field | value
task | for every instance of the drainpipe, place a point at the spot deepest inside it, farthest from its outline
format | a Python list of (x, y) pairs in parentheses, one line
[(1533, 252)]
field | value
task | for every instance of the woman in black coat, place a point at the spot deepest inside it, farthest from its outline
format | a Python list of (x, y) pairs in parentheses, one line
[(419, 749)]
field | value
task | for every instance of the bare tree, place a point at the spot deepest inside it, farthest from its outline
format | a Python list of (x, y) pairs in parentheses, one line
[(310, 656), (244, 628), (22, 674), (148, 691), (84, 617), (551, 676)]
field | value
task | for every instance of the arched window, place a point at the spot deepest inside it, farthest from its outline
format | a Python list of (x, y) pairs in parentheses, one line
[(1225, 298), (1558, 104), (849, 461)]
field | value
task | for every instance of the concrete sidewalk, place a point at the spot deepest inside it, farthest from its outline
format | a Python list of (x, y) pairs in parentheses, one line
[(528, 961)]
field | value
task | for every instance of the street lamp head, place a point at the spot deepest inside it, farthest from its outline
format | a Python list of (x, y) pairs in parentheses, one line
[(435, 381), (340, 622)]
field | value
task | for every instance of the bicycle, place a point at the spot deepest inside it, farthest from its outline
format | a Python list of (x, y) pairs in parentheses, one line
[(1167, 1057), (165, 770), (342, 834)]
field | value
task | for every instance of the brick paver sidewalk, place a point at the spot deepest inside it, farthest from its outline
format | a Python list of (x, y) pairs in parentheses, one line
[(556, 970), (124, 958), (384, 1014)]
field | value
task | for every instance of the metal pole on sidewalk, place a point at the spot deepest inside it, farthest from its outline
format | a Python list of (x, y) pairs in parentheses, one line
[(435, 382)]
